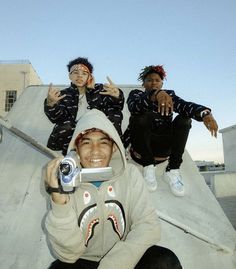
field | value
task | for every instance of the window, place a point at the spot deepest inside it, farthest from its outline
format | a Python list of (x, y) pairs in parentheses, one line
[(10, 100)]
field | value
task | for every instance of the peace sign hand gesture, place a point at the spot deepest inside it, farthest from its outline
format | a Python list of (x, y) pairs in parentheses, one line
[(110, 89), (53, 96)]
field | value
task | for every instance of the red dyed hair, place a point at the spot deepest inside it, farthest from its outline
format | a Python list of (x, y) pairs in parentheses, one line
[(152, 69)]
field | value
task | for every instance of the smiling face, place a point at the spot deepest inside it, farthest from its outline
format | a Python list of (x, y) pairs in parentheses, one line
[(153, 81), (95, 149), (79, 78)]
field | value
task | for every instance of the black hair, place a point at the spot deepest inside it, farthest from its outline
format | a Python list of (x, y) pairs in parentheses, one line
[(80, 60)]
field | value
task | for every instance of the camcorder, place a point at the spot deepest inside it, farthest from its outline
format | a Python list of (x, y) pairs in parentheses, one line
[(70, 175)]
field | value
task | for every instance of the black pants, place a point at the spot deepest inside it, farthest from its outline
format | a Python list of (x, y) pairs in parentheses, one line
[(154, 258), (167, 140)]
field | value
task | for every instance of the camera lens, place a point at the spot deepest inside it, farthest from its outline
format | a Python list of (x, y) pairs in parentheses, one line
[(65, 168)]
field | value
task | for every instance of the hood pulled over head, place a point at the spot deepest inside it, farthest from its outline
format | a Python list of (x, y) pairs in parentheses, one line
[(95, 119)]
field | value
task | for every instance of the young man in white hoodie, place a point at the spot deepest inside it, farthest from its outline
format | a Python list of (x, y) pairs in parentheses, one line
[(106, 224)]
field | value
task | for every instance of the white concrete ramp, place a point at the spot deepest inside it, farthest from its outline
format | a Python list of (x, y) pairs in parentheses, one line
[(194, 226)]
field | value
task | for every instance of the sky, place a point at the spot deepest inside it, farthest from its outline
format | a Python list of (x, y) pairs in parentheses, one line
[(194, 40)]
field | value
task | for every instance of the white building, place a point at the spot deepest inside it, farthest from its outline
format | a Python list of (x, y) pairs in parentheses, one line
[(229, 144), (15, 76)]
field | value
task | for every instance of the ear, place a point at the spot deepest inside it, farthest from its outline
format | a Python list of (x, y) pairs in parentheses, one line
[(115, 148), (70, 77), (91, 81), (77, 150)]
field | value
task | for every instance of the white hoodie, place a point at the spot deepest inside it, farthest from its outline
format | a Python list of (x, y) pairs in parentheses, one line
[(115, 223)]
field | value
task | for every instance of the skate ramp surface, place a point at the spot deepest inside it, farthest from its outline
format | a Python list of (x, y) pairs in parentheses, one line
[(194, 226)]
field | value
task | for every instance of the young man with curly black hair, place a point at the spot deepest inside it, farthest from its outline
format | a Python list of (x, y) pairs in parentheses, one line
[(64, 108)]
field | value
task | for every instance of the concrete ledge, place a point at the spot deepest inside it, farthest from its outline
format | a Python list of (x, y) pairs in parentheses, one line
[(224, 185)]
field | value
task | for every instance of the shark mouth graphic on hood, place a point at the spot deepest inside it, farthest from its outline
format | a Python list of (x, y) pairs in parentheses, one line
[(87, 220), (116, 217), (86, 216)]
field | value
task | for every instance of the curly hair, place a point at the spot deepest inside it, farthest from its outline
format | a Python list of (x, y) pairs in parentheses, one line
[(158, 69), (80, 60)]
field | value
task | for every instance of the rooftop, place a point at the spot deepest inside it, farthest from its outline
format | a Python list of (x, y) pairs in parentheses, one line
[(194, 226)]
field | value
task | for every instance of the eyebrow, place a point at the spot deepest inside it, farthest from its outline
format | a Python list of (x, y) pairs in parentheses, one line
[(78, 71), (101, 138)]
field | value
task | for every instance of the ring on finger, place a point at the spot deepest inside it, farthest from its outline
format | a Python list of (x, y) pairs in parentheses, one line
[(162, 104)]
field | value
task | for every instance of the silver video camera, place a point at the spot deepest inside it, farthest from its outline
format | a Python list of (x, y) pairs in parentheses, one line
[(70, 175), (69, 172)]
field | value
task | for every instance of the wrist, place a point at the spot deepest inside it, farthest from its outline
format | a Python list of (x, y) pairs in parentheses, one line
[(117, 93), (60, 199), (204, 113), (57, 190), (58, 195), (157, 92), (50, 103)]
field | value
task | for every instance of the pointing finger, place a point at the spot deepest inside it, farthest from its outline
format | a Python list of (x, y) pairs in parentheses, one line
[(110, 81), (50, 87)]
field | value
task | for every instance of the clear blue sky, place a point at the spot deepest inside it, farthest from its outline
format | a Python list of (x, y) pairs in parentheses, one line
[(194, 40)]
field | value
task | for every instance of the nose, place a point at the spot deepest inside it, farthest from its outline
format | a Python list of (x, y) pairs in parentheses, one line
[(154, 83), (95, 148)]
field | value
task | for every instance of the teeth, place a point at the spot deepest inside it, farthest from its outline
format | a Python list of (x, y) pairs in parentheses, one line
[(86, 215)]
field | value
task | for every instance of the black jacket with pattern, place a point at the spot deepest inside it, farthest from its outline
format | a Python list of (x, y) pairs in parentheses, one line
[(63, 114), (139, 102)]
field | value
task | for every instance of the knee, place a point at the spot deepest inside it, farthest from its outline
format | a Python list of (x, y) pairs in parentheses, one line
[(183, 122), (140, 121), (163, 258)]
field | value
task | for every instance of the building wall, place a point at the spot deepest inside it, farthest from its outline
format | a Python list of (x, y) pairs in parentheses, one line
[(15, 76), (229, 144)]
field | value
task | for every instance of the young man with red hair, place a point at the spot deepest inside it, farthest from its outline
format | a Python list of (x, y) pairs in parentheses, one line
[(153, 133)]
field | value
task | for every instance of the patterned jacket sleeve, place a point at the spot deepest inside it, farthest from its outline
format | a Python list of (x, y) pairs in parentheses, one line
[(189, 109), (59, 112), (139, 102)]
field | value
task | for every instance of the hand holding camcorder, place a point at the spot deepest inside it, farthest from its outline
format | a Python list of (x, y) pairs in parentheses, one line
[(69, 172), (70, 175)]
